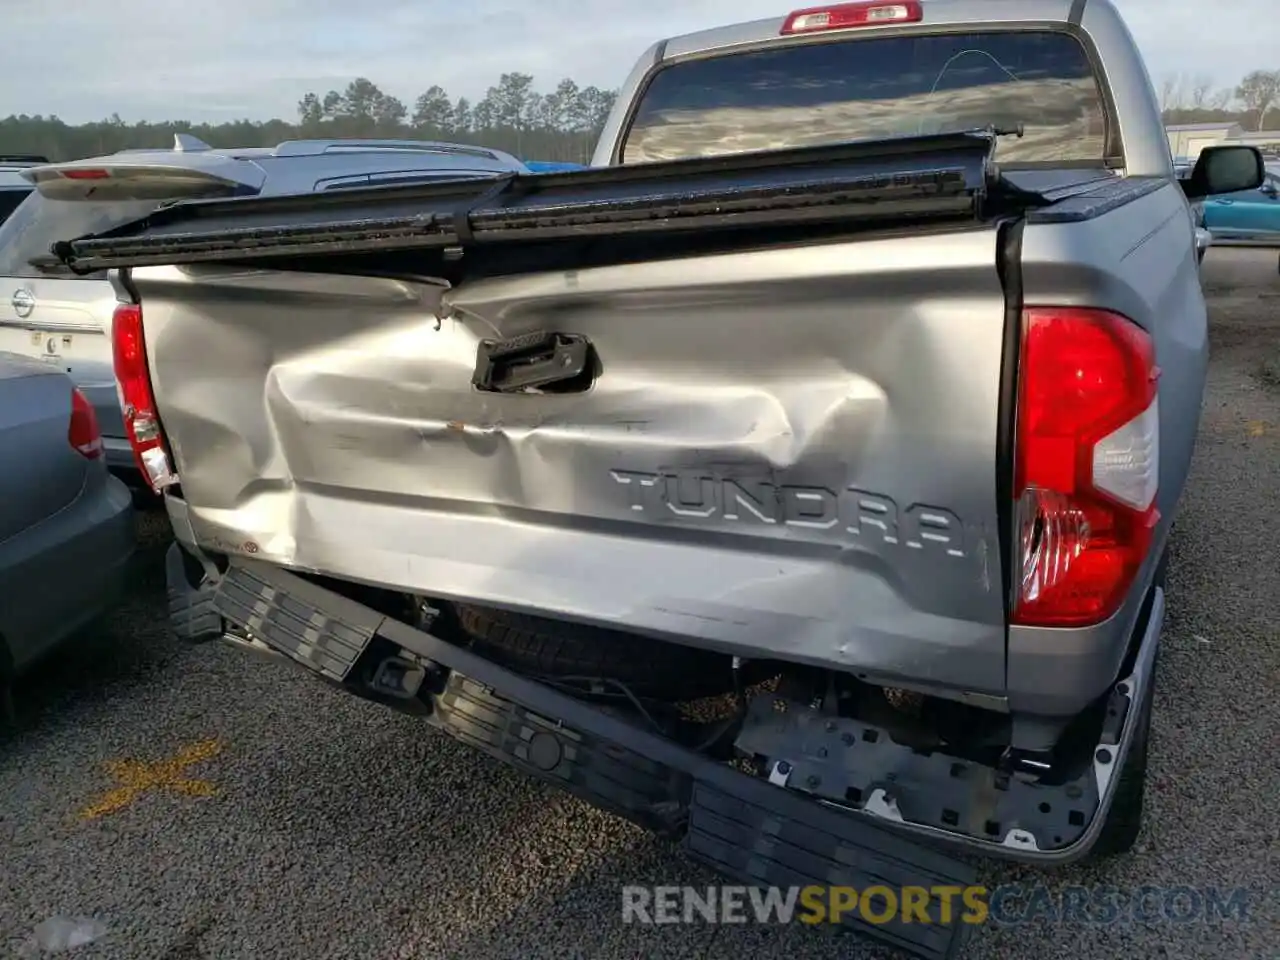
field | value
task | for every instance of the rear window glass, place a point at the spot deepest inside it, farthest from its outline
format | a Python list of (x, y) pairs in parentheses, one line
[(9, 200), (863, 89), (25, 238)]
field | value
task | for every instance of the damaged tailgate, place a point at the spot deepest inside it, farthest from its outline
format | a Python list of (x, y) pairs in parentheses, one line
[(773, 444)]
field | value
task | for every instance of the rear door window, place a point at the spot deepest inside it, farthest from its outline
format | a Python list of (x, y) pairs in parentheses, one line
[(831, 91)]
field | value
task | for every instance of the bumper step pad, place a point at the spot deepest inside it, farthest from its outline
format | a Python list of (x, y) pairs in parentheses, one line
[(326, 642), (793, 842), (604, 774), (193, 615)]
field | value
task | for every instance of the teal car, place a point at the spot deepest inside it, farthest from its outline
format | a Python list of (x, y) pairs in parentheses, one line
[(550, 166), (1247, 216)]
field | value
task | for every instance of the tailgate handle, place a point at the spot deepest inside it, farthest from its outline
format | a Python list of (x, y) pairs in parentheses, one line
[(543, 361)]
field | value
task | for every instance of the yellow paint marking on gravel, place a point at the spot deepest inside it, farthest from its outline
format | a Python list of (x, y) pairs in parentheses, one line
[(137, 778)]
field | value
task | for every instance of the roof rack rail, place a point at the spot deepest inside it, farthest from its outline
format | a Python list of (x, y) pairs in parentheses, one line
[(303, 148)]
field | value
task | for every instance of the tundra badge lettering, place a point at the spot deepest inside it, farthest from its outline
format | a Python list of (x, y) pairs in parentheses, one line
[(858, 513)]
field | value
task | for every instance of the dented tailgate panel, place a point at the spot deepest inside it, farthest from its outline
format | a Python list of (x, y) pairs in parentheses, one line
[(786, 452)]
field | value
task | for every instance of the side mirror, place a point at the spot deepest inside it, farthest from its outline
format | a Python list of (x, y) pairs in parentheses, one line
[(1225, 169)]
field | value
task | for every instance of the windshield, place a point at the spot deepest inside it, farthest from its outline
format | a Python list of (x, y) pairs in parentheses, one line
[(833, 91), (38, 222)]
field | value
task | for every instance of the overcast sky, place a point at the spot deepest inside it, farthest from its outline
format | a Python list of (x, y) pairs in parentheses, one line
[(225, 59)]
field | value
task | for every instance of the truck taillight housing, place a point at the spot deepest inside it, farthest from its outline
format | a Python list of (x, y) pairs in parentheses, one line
[(82, 431), (1087, 464), (133, 382)]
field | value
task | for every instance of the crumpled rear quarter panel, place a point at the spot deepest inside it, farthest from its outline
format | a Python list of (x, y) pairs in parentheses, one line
[(789, 452)]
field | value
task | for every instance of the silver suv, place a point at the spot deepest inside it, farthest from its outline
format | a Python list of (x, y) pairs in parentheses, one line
[(48, 312)]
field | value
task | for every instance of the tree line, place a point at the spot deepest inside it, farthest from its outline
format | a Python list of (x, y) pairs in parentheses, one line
[(513, 115), (1252, 103), (561, 124)]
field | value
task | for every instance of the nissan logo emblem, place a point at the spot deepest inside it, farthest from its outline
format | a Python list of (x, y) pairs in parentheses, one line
[(24, 302)]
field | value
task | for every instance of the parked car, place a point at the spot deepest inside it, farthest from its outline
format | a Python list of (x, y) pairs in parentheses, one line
[(66, 525), (64, 319), (13, 188), (552, 166), (889, 400), (1247, 216)]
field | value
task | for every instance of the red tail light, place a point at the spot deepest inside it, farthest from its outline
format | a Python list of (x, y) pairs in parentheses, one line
[(82, 431), (83, 173), (1087, 464), (841, 16), (133, 381)]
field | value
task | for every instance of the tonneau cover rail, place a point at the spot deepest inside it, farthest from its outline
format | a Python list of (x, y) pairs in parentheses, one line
[(945, 177)]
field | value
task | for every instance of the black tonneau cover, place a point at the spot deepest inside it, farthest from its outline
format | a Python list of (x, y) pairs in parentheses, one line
[(911, 179)]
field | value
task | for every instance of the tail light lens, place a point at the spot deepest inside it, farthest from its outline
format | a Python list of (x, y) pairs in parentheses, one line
[(133, 381), (1087, 464), (85, 174), (82, 432), (842, 16)]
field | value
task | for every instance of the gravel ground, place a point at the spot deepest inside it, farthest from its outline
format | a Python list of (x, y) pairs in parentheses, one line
[(337, 829)]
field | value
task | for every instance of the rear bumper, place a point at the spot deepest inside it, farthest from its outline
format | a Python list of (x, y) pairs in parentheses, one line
[(64, 573), (90, 541), (739, 825), (100, 550), (725, 815)]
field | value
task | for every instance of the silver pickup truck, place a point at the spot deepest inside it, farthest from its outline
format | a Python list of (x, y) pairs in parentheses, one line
[(855, 387)]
